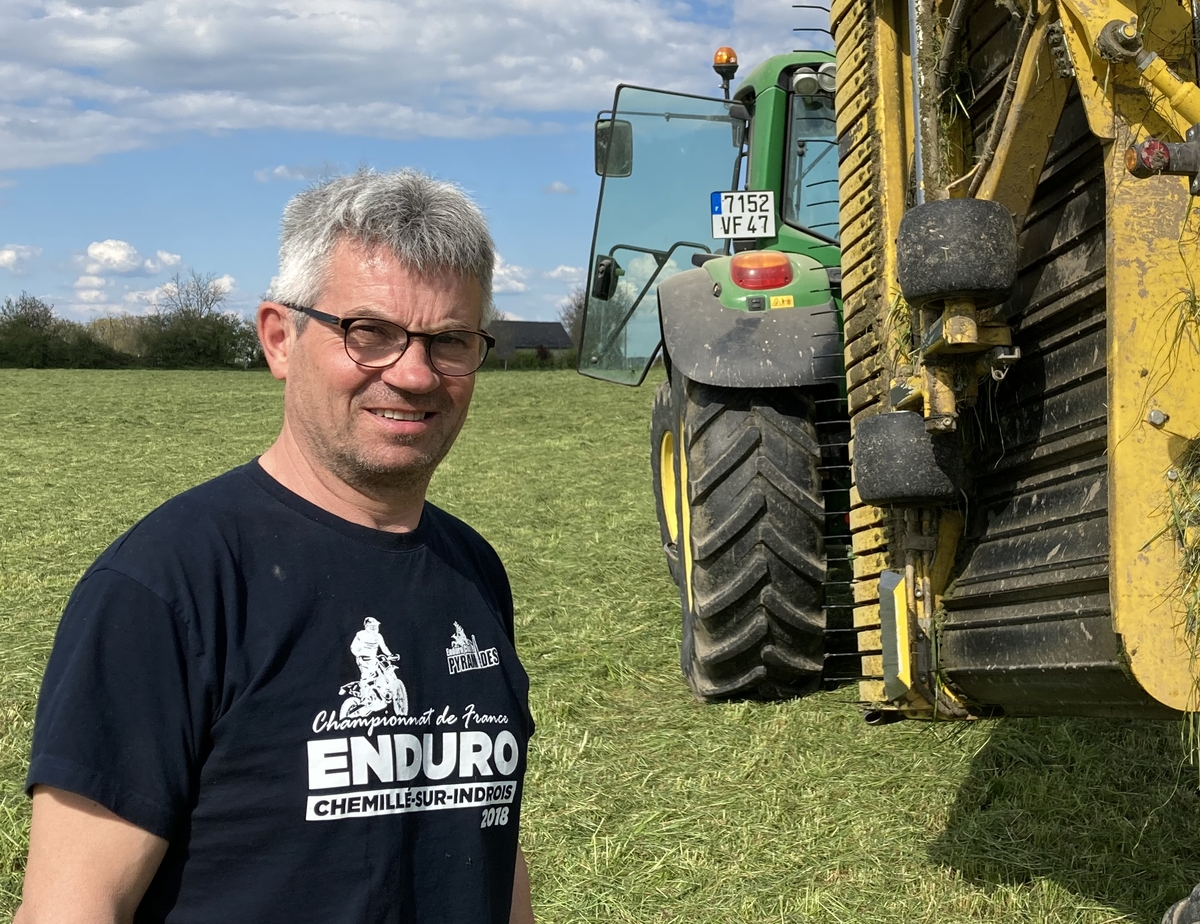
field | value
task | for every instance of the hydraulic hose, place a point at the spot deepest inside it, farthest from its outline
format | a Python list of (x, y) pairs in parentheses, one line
[(950, 43), (1006, 98), (914, 73)]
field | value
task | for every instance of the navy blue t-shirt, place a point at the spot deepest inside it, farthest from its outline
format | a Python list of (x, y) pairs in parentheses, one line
[(326, 722)]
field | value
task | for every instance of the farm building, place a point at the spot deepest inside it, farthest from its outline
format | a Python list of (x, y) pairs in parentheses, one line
[(530, 341)]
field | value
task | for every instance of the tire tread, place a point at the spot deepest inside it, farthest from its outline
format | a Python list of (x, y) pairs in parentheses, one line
[(757, 515)]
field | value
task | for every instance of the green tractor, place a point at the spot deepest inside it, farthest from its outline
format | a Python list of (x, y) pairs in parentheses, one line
[(716, 242)]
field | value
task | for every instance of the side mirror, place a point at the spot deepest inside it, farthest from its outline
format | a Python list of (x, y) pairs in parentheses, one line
[(604, 278), (614, 147)]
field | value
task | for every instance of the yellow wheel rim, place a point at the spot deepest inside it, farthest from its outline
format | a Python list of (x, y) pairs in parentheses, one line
[(666, 484)]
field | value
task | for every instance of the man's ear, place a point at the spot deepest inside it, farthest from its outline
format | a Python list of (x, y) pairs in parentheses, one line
[(277, 334)]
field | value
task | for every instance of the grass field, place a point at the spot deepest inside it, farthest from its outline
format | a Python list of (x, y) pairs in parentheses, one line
[(642, 806)]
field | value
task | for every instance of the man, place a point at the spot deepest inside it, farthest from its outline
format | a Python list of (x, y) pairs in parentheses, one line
[(377, 681), (191, 759)]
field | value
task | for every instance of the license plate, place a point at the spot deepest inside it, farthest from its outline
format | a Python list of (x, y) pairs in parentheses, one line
[(743, 214)]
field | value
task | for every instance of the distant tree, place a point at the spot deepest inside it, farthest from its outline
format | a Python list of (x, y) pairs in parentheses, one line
[(32, 337), (122, 332), (190, 328), (570, 313), (196, 296), (28, 312)]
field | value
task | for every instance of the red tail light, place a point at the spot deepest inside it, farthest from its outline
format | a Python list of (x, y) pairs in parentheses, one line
[(760, 269)]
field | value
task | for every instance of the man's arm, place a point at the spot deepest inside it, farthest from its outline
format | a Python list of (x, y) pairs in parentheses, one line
[(522, 901), (85, 863)]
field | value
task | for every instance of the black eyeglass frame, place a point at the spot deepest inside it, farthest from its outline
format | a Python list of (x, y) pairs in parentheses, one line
[(345, 324)]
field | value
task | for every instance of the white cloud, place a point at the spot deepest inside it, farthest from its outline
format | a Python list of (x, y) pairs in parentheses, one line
[(161, 260), (559, 188), (90, 296), (13, 257), (507, 278), (81, 79), (146, 298), (572, 275), (121, 257), (7, 184), (225, 283), (112, 256), (290, 172), (90, 282)]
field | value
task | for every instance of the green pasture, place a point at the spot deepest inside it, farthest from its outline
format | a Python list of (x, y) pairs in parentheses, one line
[(642, 806)]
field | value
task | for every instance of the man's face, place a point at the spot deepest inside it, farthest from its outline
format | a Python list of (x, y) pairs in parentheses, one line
[(380, 428)]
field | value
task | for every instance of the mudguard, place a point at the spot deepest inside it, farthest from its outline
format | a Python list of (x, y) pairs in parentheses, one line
[(715, 345)]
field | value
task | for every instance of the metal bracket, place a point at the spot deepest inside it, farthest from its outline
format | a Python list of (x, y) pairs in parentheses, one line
[(1001, 358), (1061, 54)]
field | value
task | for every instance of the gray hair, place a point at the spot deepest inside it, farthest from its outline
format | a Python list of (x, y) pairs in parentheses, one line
[(428, 225)]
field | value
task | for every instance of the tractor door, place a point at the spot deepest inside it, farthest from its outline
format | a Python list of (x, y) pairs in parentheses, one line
[(660, 156)]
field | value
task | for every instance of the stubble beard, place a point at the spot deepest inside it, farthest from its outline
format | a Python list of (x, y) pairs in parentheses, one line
[(374, 476), (342, 455)]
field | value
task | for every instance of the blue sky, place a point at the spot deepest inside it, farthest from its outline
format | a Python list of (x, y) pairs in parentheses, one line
[(142, 139)]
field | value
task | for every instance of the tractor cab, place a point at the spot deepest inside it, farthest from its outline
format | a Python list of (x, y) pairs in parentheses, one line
[(690, 179)]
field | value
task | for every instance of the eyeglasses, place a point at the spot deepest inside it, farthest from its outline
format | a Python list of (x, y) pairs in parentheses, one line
[(376, 343)]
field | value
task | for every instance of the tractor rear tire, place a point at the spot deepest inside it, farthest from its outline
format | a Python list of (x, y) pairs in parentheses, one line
[(664, 472), (751, 551)]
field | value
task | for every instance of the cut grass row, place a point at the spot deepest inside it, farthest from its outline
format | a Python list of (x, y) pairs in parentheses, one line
[(642, 806)]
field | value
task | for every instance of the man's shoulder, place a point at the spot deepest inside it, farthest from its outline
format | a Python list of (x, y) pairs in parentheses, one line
[(194, 523), (461, 540), (451, 527), (462, 548)]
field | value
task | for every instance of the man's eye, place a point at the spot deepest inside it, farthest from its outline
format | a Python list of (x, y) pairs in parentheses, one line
[(371, 333)]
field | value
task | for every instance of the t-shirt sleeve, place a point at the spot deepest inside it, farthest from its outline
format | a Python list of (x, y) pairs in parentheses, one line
[(121, 718), (504, 594)]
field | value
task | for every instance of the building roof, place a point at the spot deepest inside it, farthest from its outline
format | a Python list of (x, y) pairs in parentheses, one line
[(528, 335)]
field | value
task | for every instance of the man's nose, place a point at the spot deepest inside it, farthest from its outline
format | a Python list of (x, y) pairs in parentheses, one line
[(413, 371)]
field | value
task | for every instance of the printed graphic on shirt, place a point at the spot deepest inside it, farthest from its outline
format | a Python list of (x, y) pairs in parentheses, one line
[(475, 757), (453, 759), (464, 654), (378, 685)]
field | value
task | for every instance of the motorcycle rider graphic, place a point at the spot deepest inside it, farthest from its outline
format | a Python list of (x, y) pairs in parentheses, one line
[(378, 684)]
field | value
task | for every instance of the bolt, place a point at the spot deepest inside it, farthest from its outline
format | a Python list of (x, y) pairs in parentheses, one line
[(1172, 475), (924, 678), (1158, 418)]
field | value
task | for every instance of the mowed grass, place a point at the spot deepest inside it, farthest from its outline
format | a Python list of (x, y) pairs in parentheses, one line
[(641, 806)]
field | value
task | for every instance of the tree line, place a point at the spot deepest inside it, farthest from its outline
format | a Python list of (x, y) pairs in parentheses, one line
[(187, 329)]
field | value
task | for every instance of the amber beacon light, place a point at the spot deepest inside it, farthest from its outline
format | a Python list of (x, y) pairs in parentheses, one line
[(725, 63)]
